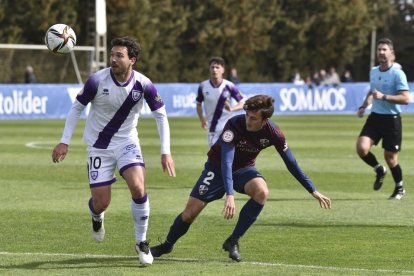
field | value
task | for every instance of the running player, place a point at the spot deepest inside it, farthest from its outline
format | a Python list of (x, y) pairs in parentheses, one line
[(116, 95), (216, 93), (389, 89), (231, 166)]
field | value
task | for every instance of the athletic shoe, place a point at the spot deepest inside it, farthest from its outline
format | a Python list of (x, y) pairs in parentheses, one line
[(232, 247), (161, 249), (144, 253), (98, 230), (398, 194), (381, 172)]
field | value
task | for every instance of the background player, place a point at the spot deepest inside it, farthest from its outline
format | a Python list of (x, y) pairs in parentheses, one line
[(216, 93), (231, 166), (117, 96), (388, 89)]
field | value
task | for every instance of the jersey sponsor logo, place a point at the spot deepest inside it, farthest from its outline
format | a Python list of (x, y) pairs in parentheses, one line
[(158, 98), (94, 175), (202, 189), (264, 143), (136, 95), (228, 136), (130, 147)]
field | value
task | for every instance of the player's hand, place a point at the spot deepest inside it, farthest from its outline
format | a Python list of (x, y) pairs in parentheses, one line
[(227, 106), (361, 111), (229, 207), (377, 94), (168, 164), (204, 124), (59, 152), (324, 201)]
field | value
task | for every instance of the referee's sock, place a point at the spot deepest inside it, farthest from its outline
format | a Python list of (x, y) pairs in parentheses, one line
[(370, 159)]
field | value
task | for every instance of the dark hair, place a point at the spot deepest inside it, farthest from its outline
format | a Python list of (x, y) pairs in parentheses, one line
[(218, 60), (262, 103), (386, 41), (131, 44)]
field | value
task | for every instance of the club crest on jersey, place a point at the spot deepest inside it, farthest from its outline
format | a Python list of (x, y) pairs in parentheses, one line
[(136, 95), (94, 175), (228, 136), (202, 189), (264, 143)]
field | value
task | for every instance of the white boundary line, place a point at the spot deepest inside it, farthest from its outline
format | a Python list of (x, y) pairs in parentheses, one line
[(192, 260), (45, 145)]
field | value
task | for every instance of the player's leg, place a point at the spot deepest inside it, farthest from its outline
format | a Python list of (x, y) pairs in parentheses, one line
[(370, 135), (180, 226), (140, 210), (392, 145), (257, 189), (132, 168), (209, 187), (101, 166)]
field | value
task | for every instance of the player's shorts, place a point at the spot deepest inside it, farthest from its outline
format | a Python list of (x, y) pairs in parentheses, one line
[(385, 127), (210, 186), (212, 138), (103, 162)]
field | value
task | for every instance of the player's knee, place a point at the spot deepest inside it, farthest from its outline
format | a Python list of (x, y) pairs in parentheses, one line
[(261, 195), (188, 217)]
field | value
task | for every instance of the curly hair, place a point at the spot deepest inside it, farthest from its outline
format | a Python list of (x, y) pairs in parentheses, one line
[(262, 103), (133, 47)]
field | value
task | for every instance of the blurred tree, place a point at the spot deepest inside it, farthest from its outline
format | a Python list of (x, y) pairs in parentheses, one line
[(264, 39)]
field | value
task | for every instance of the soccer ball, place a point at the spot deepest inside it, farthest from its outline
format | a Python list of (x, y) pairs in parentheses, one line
[(60, 39)]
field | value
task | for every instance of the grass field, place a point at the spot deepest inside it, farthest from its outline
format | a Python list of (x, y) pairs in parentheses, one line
[(45, 224)]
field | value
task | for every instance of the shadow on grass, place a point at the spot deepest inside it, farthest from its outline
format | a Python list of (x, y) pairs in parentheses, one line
[(102, 262), (77, 263)]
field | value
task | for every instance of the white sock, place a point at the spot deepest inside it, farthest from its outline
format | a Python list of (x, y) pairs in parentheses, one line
[(140, 214)]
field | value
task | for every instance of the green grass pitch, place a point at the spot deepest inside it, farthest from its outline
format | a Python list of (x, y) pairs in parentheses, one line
[(45, 224)]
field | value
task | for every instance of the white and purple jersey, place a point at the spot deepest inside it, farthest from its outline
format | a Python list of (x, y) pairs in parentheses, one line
[(214, 98), (115, 109)]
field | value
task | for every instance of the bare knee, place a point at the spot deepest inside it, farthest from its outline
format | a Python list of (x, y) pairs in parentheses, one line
[(261, 195)]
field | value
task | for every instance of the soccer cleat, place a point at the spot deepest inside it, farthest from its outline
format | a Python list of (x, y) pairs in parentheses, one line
[(233, 248), (144, 253), (161, 249), (98, 230), (381, 172), (398, 194)]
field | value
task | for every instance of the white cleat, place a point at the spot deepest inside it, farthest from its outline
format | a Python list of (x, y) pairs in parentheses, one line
[(144, 253), (98, 230)]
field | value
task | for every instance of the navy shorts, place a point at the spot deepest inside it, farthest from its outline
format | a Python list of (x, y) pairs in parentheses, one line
[(210, 186), (385, 127)]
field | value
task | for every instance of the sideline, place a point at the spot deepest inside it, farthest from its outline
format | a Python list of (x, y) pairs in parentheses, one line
[(192, 260)]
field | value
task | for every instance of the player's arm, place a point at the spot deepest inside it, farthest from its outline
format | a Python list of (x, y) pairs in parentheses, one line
[(61, 149), (403, 97), (201, 117), (303, 179), (367, 101), (227, 157), (164, 131)]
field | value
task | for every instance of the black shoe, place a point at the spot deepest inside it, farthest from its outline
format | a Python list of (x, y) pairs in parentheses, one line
[(381, 172), (398, 193), (232, 247), (161, 249)]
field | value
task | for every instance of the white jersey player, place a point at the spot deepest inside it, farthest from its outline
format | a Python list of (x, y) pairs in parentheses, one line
[(216, 93), (117, 96)]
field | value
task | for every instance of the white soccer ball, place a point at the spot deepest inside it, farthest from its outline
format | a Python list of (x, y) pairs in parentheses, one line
[(60, 39)]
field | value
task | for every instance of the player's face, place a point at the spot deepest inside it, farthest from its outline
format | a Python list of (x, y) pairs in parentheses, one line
[(216, 71), (384, 53), (254, 121), (121, 64)]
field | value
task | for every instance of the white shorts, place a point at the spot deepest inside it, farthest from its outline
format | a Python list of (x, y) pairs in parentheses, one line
[(103, 162)]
